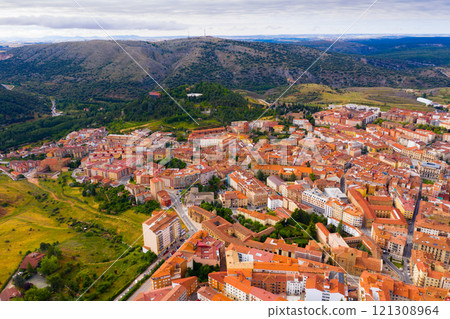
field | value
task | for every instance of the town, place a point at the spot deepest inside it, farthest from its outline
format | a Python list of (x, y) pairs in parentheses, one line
[(351, 204)]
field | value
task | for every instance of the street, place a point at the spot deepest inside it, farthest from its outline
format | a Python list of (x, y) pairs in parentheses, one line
[(192, 229), (147, 285), (403, 274), (182, 212)]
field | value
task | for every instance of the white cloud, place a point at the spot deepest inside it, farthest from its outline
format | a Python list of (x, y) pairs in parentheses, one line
[(220, 17), (82, 22)]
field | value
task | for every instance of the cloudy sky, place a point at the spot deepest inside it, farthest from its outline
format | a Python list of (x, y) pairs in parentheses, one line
[(34, 19)]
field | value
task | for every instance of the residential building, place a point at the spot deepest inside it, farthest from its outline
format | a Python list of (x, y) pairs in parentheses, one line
[(274, 201), (323, 288), (195, 198), (199, 214), (233, 199), (156, 185), (315, 199), (275, 182), (427, 272), (180, 290), (255, 190), (161, 230), (377, 287), (438, 246), (207, 293), (355, 261), (265, 219)]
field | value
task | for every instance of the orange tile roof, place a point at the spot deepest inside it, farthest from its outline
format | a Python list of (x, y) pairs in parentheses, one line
[(242, 285)]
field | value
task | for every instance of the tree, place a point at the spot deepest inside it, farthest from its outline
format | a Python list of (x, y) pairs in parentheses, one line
[(311, 230), (30, 269), (35, 294), (312, 176), (364, 150), (332, 228), (201, 271), (176, 163), (49, 265), (260, 175), (148, 207), (18, 281), (296, 215), (292, 177), (53, 251), (340, 228), (56, 282), (44, 247)]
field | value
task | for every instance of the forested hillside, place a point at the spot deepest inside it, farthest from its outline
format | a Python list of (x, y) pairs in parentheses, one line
[(217, 103), (101, 70), (19, 107)]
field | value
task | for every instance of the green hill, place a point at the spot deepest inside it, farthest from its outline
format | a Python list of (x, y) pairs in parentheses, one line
[(101, 70), (19, 107)]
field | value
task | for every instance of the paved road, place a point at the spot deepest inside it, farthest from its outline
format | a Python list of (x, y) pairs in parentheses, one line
[(182, 212), (146, 286), (409, 240), (416, 208), (7, 174), (403, 274), (138, 278), (54, 112), (192, 228), (8, 87)]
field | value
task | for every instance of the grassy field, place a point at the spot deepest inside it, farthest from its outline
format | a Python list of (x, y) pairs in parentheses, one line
[(46, 213), (127, 224), (24, 225), (321, 95), (439, 95)]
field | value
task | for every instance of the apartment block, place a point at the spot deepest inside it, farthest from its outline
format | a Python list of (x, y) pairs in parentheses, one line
[(439, 247), (377, 287), (427, 272), (255, 190), (161, 230), (233, 199)]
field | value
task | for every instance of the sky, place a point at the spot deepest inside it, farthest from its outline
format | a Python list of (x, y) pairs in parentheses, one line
[(52, 19)]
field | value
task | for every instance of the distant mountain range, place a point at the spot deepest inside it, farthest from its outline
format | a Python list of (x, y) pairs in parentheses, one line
[(420, 50), (101, 70)]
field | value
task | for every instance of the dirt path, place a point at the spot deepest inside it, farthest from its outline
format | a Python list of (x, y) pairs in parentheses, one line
[(34, 181)]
